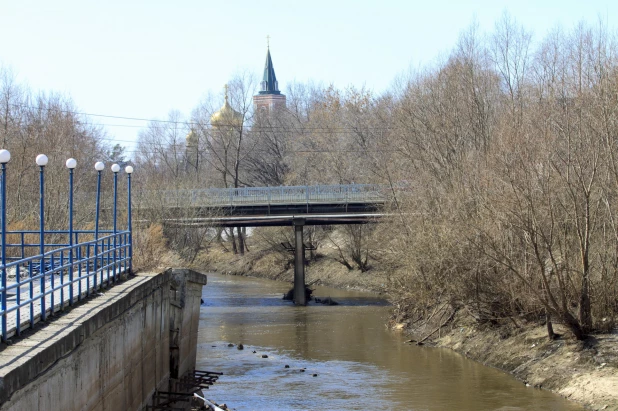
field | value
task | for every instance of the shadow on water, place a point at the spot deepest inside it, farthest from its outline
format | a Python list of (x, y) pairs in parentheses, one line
[(277, 301)]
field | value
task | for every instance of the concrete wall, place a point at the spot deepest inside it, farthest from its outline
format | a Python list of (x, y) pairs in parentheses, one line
[(110, 353)]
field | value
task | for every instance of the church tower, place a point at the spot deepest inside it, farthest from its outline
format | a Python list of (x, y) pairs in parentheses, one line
[(269, 98)]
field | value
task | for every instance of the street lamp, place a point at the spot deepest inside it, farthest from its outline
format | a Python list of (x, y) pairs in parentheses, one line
[(41, 161), (115, 168), (5, 156), (71, 163), (99, 166), (129, 171)]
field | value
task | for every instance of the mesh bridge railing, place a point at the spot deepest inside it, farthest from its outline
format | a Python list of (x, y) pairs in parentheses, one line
[(247, 196)]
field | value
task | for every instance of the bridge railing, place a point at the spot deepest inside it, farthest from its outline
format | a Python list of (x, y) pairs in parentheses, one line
[(43, 271), (222, 197)]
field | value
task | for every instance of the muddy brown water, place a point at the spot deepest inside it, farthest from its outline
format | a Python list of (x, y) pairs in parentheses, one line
[(357, 362)]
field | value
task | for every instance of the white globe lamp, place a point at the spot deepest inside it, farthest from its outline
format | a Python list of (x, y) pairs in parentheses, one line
[(41, 160)]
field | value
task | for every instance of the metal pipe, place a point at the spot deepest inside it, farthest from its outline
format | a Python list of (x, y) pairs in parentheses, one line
[(18, 301), (31, 292)]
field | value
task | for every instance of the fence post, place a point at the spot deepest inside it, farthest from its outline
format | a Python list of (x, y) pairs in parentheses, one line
[(99, 166), (5, 156), (41, 161), (71, 164), (129, 171), (115, 169)]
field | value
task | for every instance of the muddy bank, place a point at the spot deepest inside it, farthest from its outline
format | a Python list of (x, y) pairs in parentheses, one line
[(585, 372)]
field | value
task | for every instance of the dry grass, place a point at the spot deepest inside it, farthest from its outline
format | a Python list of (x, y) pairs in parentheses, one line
[(150, 249), (264, 262)]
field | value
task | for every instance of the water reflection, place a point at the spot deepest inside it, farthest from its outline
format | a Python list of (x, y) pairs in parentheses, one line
[(359, 363)]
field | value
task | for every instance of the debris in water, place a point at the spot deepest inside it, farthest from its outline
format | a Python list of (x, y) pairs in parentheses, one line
[(289, 296), (326, 301)]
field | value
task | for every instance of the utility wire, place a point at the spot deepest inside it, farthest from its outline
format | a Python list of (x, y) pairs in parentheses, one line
[(191, 123)]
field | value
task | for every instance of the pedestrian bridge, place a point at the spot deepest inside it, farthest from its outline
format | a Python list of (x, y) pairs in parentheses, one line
[(270, 206)]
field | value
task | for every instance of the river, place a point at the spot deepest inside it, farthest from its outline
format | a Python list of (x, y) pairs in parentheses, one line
[(340, 357)]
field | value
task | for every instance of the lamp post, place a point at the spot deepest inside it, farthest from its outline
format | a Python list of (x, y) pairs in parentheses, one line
[(99, 166), (5, 156), (71, 163), (115, 169), (41, 161), (129, 171)]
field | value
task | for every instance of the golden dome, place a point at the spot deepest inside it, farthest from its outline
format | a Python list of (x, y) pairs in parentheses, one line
[(226, 115), (192, 139)]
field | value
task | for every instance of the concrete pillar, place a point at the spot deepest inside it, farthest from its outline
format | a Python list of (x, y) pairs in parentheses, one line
[(299, 263)]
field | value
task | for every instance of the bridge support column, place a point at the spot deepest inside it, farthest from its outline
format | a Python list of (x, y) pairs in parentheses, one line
[(299, 263)]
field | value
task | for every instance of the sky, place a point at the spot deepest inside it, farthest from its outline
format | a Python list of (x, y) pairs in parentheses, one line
[(142, 59)]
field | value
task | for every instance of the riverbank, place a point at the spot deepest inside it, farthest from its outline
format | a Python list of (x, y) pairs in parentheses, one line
[(584, 372), (323, 270)]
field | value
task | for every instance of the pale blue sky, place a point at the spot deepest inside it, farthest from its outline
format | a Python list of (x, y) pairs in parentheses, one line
[(145, 58)]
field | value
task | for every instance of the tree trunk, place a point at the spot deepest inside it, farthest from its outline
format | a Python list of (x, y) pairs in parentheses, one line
[(550, 328), (233, 238), (573, 325), (585, 318), (241, 242)]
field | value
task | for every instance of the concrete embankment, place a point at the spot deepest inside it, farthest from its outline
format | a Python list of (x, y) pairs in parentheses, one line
[(111, 352)]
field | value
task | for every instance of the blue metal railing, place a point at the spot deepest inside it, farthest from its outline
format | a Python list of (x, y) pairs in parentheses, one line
[(43, 271), (41, 284)]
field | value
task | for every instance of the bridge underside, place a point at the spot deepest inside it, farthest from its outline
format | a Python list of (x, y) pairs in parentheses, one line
[(277, 220), (278, 209)]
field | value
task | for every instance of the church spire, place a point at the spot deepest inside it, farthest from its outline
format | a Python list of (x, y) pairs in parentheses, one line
[(269, 99), (269, 84)]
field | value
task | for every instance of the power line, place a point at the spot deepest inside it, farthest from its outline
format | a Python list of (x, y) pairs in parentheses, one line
[(188, 124), (192, 123), (286, 152), (97, 115)]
